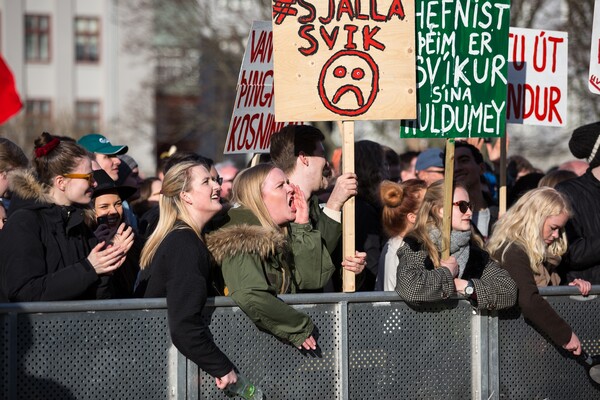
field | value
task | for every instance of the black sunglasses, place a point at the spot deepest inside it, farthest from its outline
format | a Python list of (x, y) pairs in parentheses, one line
[(463, 206)]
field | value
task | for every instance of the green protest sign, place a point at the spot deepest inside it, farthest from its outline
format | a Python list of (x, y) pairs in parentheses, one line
[(462, 51)]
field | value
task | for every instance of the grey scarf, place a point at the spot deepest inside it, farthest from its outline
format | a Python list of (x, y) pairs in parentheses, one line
[(459, 246)]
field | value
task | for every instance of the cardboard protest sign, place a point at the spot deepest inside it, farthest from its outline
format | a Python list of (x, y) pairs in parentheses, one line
[(537, 77), (253, 118), (594, 78), (462, 49), (344, 59)]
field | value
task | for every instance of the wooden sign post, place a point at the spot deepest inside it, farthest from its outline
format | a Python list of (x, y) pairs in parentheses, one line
[(448, 195), (348, 212), (343, 60), (502, 183)]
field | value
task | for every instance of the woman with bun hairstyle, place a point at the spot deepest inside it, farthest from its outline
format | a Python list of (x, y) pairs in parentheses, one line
[(529, 241), (401, 202), (47, 250), (423, 276)]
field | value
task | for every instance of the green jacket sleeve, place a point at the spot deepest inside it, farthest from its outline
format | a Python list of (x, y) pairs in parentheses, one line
[(331, 230), (245, 277), (312, 262)]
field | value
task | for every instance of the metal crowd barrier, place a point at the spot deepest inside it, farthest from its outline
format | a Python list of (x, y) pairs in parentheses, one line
[(371, 346)]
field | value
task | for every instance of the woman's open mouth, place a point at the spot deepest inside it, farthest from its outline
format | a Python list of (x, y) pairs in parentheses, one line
[(291, 204)]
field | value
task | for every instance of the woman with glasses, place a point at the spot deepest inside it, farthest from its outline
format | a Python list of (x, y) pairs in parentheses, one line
[(529, 241), (423, 276), (47, 250)]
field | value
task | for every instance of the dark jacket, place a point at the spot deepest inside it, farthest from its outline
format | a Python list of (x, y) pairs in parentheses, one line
[(259, 263), (369, 239), (418, 281), (44, 249), (583, 229), (533, 306), (180, 271)]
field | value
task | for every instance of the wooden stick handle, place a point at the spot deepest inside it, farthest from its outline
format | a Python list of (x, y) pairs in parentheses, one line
[(348, 211), (448, 195), (502, 184)]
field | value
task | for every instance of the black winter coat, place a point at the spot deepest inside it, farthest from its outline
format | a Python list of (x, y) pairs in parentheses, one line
[(44, 249), (181, 271), (582, 259)]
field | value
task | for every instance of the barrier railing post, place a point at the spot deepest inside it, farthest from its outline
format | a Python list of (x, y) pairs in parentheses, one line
[(478, 358), (13, 346), (344, 351), (493, 359)]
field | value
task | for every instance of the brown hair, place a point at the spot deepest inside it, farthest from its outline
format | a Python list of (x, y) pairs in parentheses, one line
[(399, 199), (58, 160), (553, 178), (290, 141), (11, 156)]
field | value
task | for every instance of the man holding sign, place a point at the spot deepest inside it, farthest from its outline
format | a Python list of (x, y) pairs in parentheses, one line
[(298, 150)]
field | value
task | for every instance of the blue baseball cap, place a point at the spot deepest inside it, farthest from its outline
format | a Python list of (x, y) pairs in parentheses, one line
[(429, 158)]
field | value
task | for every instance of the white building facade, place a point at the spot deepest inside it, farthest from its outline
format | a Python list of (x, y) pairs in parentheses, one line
[(70, 60)]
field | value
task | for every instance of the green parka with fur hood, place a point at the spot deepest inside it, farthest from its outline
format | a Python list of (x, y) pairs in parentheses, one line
[(259, 263)]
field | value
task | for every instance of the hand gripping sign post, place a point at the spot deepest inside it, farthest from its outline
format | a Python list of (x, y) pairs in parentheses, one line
[(461, 76), (344, 60)]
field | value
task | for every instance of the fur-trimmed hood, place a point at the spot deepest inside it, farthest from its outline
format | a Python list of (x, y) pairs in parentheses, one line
[(234, 240), (25, 185)]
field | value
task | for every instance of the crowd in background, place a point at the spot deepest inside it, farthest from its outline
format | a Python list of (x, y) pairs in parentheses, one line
[(79, 222)]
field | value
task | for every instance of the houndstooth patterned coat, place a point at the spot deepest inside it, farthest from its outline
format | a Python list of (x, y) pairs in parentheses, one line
[(419, 282)]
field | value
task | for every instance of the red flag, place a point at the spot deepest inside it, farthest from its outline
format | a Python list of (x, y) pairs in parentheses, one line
[(10, 103)]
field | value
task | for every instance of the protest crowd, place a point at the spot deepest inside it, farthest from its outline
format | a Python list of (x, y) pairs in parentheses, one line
[(80, 223)]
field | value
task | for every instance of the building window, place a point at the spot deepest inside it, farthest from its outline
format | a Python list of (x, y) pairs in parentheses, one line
[(87, 39), (38, 108), (37, 38), (38, 115), (87, 114)]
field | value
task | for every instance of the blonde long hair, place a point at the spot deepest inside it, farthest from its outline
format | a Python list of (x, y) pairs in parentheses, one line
[(523, 224), (429, 217), (177, 180), (247, 191)]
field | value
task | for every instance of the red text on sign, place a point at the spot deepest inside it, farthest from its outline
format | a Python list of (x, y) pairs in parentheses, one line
[(542, 47), (526, 101)]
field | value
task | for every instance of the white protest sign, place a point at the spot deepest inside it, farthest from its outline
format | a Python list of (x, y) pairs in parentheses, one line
[(253, 118), (537, 77), (594, 78)]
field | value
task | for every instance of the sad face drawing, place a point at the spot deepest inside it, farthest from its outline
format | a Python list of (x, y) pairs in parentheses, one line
[(349, 83)]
